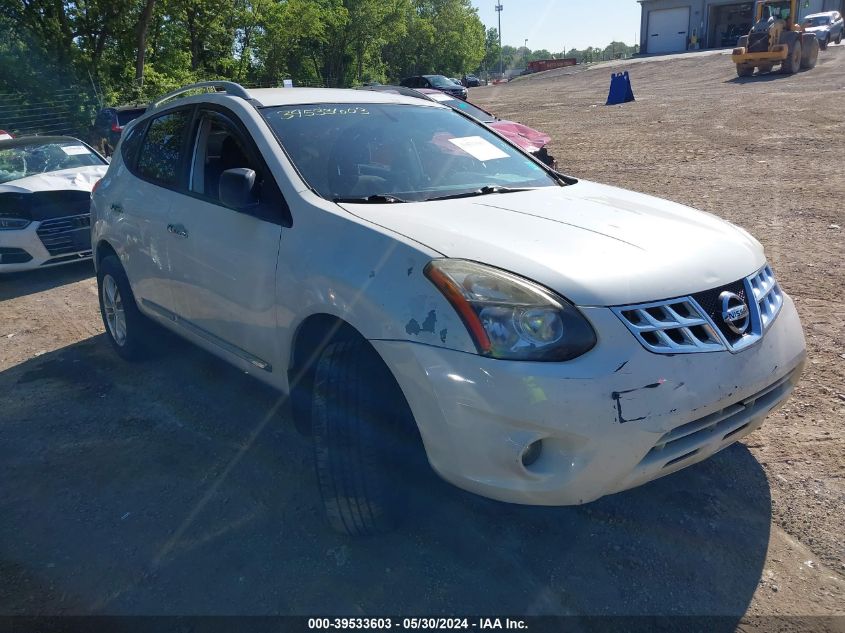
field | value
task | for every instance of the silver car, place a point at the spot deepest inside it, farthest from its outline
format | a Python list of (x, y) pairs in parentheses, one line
[(828, 27)]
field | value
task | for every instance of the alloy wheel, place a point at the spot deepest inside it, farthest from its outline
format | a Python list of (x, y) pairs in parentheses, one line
[(113, 307)]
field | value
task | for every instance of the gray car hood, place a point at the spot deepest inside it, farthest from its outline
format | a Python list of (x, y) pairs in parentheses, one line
[(594, 244)]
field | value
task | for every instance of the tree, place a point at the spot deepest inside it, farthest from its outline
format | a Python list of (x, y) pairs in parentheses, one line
[(141, 46), (491, 50)]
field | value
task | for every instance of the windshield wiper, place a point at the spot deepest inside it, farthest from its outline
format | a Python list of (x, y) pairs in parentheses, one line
[(376, 198), (483, 191)]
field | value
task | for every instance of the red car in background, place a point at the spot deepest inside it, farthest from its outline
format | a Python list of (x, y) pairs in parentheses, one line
[(528, 139), (524, 137)]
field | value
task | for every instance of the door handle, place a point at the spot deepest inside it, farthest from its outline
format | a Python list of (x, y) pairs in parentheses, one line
[(177, 229), (116, 207)]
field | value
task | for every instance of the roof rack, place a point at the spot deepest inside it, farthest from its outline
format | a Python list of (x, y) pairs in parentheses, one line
[(229, 87)]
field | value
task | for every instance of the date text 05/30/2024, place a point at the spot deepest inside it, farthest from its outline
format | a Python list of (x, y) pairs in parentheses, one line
[(414, 624)]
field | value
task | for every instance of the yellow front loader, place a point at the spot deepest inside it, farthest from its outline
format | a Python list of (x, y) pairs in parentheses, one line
[(776, 38)]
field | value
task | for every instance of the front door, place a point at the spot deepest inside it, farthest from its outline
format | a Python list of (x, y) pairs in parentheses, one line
[(224, 258)]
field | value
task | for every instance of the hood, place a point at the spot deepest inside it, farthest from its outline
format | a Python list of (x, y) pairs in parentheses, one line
[(76, 179), (596, 245), (817, 29), (523, 136)]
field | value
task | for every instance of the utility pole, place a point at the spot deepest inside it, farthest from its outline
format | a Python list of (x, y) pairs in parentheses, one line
[(499, 8)]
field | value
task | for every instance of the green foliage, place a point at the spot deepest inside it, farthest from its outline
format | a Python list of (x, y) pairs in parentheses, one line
[(55, 44)]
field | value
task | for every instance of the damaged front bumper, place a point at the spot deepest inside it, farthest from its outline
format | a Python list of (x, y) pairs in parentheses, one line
[(615, 418), (43, 244)]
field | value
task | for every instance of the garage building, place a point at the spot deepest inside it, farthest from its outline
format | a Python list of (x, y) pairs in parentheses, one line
[(669, 26)]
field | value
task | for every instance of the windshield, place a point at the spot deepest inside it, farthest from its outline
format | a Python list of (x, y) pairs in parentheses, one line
[(439, 81), (352, 151), (819, 20), (40, 158), (474, 111), (777, 10)]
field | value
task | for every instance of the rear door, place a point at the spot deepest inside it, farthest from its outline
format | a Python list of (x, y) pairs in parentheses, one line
[(224, 259), (142, 205)]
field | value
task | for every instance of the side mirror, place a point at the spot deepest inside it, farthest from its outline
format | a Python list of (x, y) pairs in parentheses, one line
[(236, 188)]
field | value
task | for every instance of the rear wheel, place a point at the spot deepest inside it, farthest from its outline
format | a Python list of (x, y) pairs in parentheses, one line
[(126, 328), (792, 62), (810, 51), (839, 38), (744, 70), (365, 440)]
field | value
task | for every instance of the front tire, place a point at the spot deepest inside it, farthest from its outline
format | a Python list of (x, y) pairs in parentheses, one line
[(823, 44), (792, 62), (365, 440), (126, 328), (744, 70)]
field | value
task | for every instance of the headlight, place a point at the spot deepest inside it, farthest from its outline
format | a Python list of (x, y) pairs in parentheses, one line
[(12, 223), (510, 317)]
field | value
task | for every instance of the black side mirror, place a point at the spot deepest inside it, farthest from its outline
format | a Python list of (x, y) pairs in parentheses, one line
[(236, 188)]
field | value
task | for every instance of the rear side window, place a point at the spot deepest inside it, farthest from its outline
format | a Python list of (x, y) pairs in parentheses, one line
[(129, 144), (161, 152)]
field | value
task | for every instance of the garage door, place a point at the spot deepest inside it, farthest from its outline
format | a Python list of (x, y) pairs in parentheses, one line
[(667, 30)]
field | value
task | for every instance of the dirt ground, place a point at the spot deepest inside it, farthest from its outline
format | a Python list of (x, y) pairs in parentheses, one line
[(155, 488)]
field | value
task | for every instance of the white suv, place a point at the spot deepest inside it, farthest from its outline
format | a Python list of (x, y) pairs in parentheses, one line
[(407, 275)]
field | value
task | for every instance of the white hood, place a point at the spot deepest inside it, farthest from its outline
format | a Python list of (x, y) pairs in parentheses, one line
[(594, 244), (78, 179)]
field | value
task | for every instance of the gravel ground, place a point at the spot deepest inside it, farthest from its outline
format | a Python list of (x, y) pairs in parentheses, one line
[(174, 487)]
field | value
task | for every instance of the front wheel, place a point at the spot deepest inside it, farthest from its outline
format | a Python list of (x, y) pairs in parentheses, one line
[(365, 440), (792, 62), (823, 45), (126, 328), (744, 70)]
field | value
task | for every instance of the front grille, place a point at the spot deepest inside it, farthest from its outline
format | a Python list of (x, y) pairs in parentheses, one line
[(712, 305), (14, 256), (671, 327), (62, 236), (715, 431), (758, 42), (767, 294), (697, 324)]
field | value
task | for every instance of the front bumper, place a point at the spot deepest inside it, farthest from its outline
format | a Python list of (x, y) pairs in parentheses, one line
[(615, 418), (778, 53), (27, 241)]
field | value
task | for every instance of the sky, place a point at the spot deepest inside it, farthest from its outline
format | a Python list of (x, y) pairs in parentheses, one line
[(553, 24)]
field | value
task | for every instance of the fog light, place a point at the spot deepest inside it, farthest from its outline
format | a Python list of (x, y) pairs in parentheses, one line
[(532, 453)]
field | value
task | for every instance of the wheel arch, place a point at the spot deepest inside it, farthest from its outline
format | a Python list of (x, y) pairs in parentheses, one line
[(310, 338), (103, 249)]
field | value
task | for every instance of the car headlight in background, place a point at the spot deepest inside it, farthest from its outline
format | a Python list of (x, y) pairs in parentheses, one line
[(12, 223), (510, 317)]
